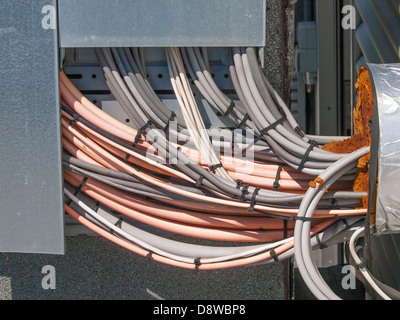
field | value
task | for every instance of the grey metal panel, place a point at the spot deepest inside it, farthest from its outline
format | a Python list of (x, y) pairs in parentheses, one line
[(383, 259), (367, 47), (31, 197), (378, 35), (327, 84), (161, 23)]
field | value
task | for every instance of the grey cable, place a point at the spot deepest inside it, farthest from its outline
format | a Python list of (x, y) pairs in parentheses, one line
[(302, 246)]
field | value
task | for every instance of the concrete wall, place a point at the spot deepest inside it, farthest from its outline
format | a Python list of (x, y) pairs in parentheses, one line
[(279, 50)]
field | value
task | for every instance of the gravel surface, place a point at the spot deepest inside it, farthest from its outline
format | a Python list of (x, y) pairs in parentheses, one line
[(94, 268)]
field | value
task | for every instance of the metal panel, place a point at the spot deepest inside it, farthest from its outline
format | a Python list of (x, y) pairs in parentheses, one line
[(161, 23), (304, 76), (378, 34), (327, 113), (328, 103), (31, 201)]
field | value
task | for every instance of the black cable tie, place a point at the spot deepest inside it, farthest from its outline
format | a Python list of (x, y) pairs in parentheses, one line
[(137, 138), (244, 192), (244, 151), (230, 109), (78, 190), (148, 124), (277, 178), (360, 265), (334, 203), (66, 110), (197, 263), (166, 127), (239, 184), (346, 224), (313, 144), (271, 215), (282, 112), (320, 244), (272, 126), (304, 219), (149, 255), (127, 157), (119, 223), (171, 118), (215, 167), (233, 142), (97, 206), (263, 132), (299, 131), (245, 118), (285, 229), (142, 131), (199, 181), (253, 200), (210, 138), (74, 120), (274, 255)]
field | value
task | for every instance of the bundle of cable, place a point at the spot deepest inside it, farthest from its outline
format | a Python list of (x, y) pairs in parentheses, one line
[(120, 178)]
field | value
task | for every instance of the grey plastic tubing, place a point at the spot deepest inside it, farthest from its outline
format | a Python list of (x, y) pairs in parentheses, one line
[(203, 80), (129, 183), (189, 108), (147, 98), (312, 168), (339, 195), (291, 147), (189, 252), (265, 86), (289, 157), (176, 247), (323, 292), (133, 101), (191, 169), (307, 268), (121, 178), (143, 92), (206, 85), (265, 117)]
